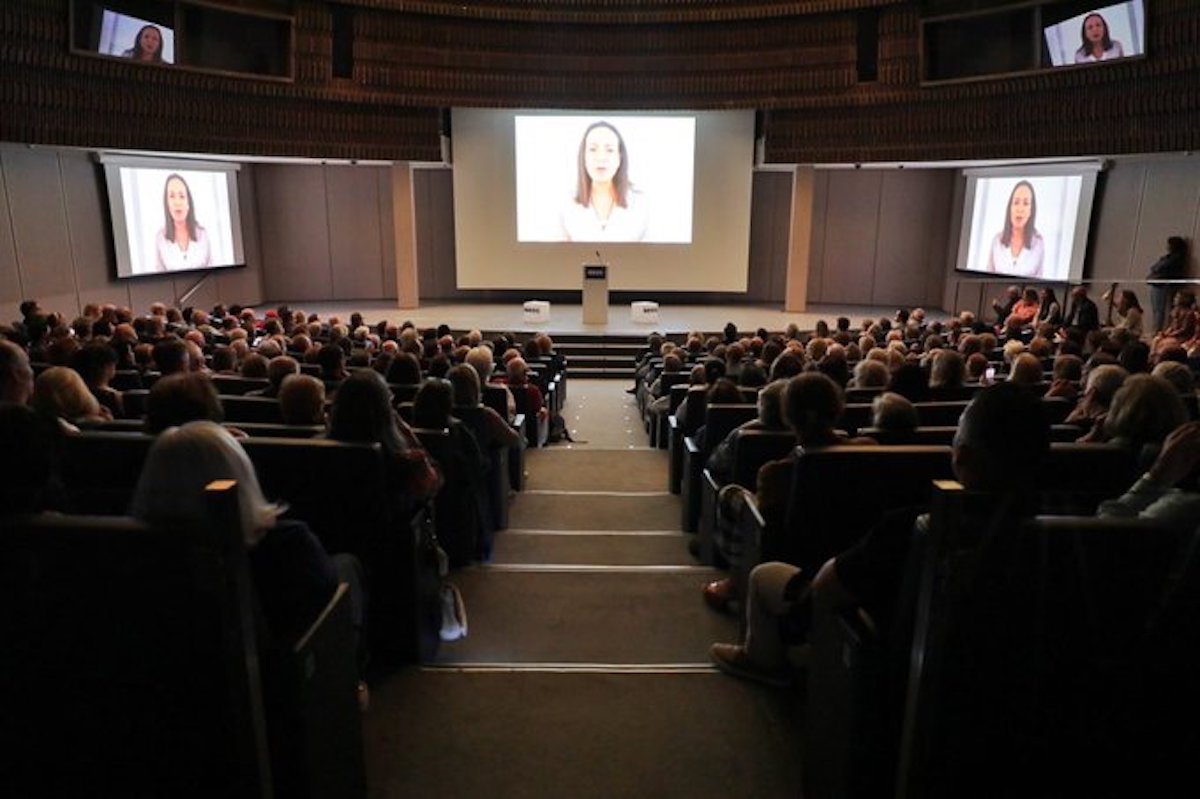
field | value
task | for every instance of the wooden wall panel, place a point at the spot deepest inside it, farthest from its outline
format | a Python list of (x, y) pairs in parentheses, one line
[(1170, 207), (795, 59), (11, 290), (1116, 220), (387, 231), (82, 181), (39, 222), (355, 231), (770, 227), (817, 246), (294, 227), (912, 213), (850, 235)]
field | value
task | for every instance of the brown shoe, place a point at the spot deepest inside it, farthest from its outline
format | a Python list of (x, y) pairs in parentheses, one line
[(733, 659), (720, 595)]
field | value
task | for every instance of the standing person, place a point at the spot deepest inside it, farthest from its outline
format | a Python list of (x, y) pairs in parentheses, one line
[(1018, 249), (605, 206), (1171, 266), (182, 243)]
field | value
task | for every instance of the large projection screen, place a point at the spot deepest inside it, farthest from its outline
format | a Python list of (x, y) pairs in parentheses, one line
[(686, 226), (1054, 201)]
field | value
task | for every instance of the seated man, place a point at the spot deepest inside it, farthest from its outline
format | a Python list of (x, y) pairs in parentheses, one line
[(999, 434), (812, 403), (302, 400)]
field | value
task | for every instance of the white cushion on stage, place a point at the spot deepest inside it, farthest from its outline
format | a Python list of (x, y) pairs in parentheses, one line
[(644, 311), (537, 311)]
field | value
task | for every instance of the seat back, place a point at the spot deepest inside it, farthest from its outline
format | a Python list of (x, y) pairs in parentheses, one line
[(1031, 664), (233, 385), (252, 409), (753, 448), (839, 493), (100, 469), (349, 497), (132, 660)]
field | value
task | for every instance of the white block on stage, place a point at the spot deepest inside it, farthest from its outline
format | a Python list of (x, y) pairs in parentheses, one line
[(643, 312), (537, 311)]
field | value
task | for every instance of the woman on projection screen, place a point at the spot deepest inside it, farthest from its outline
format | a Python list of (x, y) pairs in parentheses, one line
[(606, 206), (1018, 248)]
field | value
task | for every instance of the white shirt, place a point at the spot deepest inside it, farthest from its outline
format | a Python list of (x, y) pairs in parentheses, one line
[(1115, 51), (581, 223), (172, 258), (1028, 262)]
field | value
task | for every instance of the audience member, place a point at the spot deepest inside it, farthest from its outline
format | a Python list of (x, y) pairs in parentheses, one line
[(302, 400), (1002, 429), (181, 398), (60, 393)]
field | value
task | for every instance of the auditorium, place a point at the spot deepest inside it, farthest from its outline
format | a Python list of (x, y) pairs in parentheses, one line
[(581, 398)]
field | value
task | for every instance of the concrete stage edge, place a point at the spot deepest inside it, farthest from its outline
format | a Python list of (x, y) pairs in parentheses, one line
[(568, 318)]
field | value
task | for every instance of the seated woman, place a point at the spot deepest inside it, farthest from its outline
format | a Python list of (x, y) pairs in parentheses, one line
[(60, 393), (362, 411), (462, 527), (490, 430), (1144, 410), (294, 578), (1024, 312)]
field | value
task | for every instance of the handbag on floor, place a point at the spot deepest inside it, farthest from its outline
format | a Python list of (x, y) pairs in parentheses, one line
[(454, 614)]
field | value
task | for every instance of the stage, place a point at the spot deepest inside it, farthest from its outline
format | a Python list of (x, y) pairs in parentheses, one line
[(568, 318)]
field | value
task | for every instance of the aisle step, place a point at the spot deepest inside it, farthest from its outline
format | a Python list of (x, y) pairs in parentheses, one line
[(623, 548), (600, 616), (536, 510)]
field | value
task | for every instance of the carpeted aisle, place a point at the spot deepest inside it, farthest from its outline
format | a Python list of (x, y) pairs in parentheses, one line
[(586, 671)]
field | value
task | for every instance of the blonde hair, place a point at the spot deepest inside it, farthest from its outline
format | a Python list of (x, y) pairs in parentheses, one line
[(61, 392), (186, 459)]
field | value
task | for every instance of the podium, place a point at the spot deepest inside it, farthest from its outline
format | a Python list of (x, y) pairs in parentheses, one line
[(595, 294)]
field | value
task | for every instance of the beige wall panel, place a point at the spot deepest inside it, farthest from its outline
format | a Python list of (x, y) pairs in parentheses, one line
[(144, 291), (244, 286), (294, 230), (800, 236), (850, 234), (937, 252), (816, 288), (387, 230), (1170, 207), (1118, 207), (88, 222), (404, 235), (352, 199), (114, 293), (39, 224), (11, 292), (909, 217)]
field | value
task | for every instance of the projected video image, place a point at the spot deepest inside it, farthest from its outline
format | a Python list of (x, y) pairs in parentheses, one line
[(1103, 34), (176, 220), (605, 179), (1024, 226), (129, 37)]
